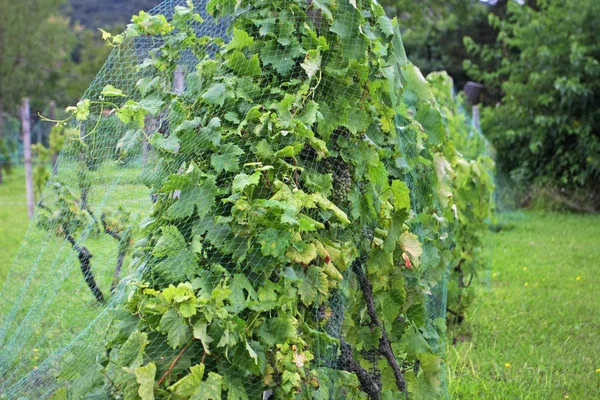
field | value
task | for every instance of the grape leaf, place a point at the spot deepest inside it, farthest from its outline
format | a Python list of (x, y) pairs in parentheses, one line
[(395, 230), (368, 338), (274, 242), (238, 63), (176, 328), (145, 377), (302, 252), (131, 351), (312, 63), (131, 112), (178, 267), (417, 83), (241, 181), (189, 384), (202, 197), (277, 330), (379, 266), (171, 242), (239, 286), (413, 343), (268, 292), (281, 58), (227, 158), (180, 262), (210, 389), (344, 27), (310, 115), (409, 243), (390, 304), (217, 94), (313, 282), (321, 5), (111, 91), (251, 352), (240, 40), (385, 25), (152, 105), (235, 388), (169, 144), (201, 333), (401, 195), (431, 121), (129, 140)]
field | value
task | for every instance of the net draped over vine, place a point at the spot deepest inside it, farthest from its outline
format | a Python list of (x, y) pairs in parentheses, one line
[(254, 202)]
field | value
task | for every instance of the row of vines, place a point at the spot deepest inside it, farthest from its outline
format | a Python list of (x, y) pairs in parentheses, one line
[(315, 202)]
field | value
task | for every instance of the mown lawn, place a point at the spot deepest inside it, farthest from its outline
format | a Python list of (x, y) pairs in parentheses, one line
[(536, 322), (44, 301), (13, 219), (533, 332)]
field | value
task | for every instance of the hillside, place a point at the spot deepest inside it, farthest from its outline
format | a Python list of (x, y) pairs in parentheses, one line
[(96, 14)]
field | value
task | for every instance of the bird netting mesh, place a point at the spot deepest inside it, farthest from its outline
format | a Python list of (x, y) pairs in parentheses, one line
[(253, 202)]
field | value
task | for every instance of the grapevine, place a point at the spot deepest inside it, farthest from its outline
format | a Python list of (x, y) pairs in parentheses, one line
[(282, 155)]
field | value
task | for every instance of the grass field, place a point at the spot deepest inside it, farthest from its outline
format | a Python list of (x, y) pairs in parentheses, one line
[(533, 332), (44, 301), (536, 327), (13, 219)]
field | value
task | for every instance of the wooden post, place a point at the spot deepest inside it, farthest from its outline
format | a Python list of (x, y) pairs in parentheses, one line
[(26, 128), (52, 116), (40, 135), (178, 81), (149, 127), (1, 129), (476, 118)]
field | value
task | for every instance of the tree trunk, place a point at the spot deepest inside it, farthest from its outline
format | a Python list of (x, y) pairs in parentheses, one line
[(26, 128)]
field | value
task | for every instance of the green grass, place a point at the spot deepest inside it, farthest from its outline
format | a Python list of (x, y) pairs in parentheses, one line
[(532, 311), (13, 219), (44, 286), (536, 326)]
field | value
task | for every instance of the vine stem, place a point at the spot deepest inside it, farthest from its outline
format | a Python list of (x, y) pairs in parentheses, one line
[(84, 257), (384, 345), (162, 378), (367, 382)]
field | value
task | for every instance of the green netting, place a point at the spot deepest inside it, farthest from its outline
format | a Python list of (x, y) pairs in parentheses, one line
[(259, 206)]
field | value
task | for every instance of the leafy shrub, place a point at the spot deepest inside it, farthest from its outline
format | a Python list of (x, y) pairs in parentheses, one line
[(545, 129)]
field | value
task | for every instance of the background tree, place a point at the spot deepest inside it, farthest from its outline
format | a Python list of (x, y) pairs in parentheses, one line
[(433, 31), (545, 129), (77, 71), (34, 39)]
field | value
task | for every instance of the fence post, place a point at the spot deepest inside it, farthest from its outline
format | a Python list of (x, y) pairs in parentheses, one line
[(52, 116), (476, 118), (26, 127), (1, 129), (149, 126), (178, 80)]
